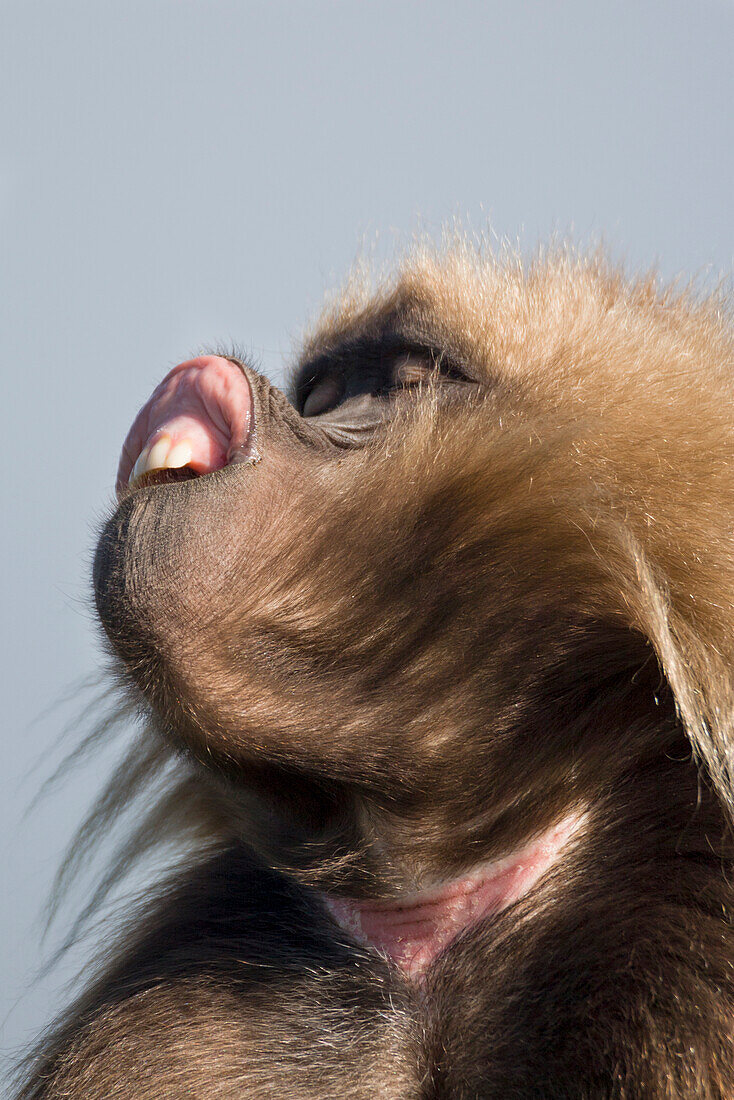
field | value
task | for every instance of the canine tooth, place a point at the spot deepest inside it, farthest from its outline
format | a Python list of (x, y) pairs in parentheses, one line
[(179, 455), (151, 458), (140, 466), (158, 454)]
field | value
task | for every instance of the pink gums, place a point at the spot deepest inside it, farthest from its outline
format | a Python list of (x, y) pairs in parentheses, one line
[(205, 402), (413, 932)]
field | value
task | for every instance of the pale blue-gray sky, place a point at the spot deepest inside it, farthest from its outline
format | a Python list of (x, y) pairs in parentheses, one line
[(177, 173)]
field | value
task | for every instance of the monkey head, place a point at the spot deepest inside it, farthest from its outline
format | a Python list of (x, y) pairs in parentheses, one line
[(460, 603)]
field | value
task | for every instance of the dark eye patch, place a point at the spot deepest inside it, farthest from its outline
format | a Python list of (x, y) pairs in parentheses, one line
[(370, 368)]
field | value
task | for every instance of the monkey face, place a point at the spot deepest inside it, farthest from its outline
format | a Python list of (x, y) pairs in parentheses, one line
[(405, 617)]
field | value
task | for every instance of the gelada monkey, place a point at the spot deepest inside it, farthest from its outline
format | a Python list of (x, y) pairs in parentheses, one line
[(439, 656)]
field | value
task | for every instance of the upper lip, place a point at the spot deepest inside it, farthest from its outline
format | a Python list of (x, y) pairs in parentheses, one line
[(200, 417)]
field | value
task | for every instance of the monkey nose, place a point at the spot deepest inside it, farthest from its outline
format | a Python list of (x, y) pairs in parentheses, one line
[(198, 417)]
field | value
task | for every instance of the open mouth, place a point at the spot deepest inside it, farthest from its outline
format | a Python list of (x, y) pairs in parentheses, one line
[(413, 931), (199, 419)]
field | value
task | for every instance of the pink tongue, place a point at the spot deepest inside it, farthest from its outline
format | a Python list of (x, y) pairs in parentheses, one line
[(204, 403)]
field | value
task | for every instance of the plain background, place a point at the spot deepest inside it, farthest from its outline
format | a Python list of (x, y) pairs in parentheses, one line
[(178, 174)]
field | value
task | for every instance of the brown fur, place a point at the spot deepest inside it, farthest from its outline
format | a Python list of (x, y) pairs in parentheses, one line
[(390, 659)]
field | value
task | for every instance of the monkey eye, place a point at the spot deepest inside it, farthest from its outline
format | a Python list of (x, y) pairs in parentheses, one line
[(323, 396), (371, 373), (413, 371)]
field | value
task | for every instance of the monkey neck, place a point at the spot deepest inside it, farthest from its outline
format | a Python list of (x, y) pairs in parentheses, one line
[(413, 930)]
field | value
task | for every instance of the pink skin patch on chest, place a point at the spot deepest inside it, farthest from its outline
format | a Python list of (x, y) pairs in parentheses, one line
[(413, 931)]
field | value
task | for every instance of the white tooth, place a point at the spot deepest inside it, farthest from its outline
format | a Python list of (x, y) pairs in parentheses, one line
[(180, 455), (139, 466), (151, 458), (158, 454)]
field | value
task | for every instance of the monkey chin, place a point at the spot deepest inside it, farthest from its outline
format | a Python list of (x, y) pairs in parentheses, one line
[(414, 930)]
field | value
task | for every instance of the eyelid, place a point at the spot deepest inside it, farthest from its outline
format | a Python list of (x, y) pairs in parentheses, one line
[(413, 370), (430, 366), (323, 395)]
